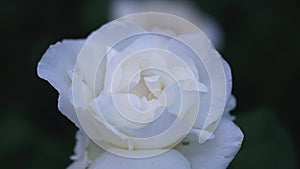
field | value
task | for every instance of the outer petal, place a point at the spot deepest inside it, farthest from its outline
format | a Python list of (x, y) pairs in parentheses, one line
[(80, 147), (56, 67), (90, 63), (170, 159), (85, 152), (58, 62), (216, 153), (231, 103), (66, 107), (82, 163), (80, 157), (212, 74), (228, 75)]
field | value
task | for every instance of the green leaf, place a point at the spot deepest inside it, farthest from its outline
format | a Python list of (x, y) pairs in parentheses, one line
[(267, 144)]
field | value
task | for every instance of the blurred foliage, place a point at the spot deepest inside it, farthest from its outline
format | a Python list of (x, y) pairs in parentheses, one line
[(267, 144), (262, 38)]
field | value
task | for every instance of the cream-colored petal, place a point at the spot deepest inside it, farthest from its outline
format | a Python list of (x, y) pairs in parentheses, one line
[(214, 74), (93, 54), (115, 109)]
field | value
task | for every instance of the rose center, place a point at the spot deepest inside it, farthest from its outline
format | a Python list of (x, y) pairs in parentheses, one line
[(141, 89)]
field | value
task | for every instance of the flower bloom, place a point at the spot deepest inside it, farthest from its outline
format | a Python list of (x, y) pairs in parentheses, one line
[(151, 90)]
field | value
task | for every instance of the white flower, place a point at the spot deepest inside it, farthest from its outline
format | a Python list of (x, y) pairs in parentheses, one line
[(184, 9), (136, 87)]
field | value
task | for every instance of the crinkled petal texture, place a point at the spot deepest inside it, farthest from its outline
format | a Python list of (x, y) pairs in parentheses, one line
[(85, 152), (216, 153)]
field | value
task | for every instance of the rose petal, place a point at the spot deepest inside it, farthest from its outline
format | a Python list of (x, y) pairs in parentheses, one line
[(66, 107), (58, 61), (168, 160), (95, 49), (80, 155), (228, 76), (216, 153), (55, 67), (80, 147), (213, 73), (161, 124), (108, 106), (85, 151), (230, 106), (80, 164)]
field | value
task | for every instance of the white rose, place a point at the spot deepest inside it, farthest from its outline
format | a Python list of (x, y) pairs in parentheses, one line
[(137, 86)]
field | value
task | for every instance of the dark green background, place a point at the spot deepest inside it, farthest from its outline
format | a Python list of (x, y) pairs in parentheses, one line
[(262, 46)]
